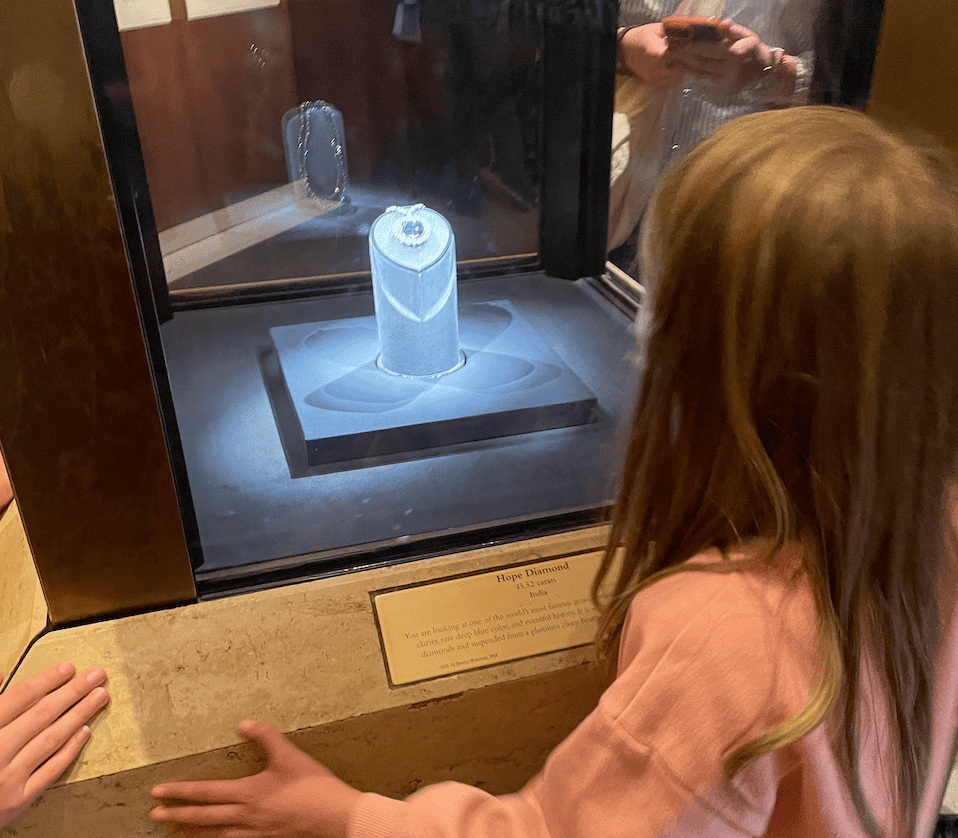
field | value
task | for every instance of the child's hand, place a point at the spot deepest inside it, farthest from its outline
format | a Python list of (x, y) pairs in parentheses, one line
[(42, 730), (293, 797)]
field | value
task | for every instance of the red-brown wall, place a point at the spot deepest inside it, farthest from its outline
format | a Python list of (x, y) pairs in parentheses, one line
[(209, 95)]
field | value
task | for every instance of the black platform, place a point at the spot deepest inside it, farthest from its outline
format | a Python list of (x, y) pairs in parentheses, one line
[(330, 399)]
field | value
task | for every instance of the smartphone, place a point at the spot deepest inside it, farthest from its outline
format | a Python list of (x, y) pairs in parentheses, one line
[(686, 29)]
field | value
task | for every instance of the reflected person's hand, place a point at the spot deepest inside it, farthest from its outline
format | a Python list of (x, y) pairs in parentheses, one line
[(645, 51), (42, 730), (293, 797), (732, 64)]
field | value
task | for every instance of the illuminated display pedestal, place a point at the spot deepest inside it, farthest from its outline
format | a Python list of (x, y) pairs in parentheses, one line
[(331, 399), (412, 253)]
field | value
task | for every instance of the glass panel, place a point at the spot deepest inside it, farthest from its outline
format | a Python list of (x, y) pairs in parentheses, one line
[(296, 443), (667, 101), (272, 138), (423, 380)]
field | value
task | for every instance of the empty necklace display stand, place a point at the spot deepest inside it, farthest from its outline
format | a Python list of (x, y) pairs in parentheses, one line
[(422, 373)]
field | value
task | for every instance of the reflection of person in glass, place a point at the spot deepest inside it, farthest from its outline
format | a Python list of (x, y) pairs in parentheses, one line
[(781, 562), (765, 61), (454, 101)]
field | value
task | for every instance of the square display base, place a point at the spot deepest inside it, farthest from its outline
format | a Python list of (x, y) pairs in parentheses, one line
[(328, 394)]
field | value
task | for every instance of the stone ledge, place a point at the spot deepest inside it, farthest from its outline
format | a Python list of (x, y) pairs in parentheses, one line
[(301, 657), (494, 737), (23, 610)]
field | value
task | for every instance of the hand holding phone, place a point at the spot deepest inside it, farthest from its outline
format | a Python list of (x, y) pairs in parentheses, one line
[(688, 29), (726, 54)]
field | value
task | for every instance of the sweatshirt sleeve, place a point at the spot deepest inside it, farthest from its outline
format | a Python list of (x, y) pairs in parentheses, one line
[(640, 12), (696, 683)]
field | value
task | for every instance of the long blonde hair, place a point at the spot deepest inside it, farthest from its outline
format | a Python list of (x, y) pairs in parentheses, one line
[(801, 384)]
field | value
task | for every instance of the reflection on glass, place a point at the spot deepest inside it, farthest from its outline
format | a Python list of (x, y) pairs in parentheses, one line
[(315, 146), (669, 99), (248, 121)]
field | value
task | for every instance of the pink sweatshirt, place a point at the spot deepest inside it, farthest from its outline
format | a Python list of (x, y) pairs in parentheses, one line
[(707, 662)]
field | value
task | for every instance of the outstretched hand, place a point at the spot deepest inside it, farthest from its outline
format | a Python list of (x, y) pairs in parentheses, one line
[(293, 797), (42, 730)]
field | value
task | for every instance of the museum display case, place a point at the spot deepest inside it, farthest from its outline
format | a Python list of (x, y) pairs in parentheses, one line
[(203, 191), (203, 356), (216, 382), (250, 148)]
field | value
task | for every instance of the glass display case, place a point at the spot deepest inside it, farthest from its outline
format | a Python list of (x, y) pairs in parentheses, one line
[(314, 285), (253, 151), (307, 446)]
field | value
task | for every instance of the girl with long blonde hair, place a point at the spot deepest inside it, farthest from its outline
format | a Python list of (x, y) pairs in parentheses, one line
[(801, 395), (781, 578)]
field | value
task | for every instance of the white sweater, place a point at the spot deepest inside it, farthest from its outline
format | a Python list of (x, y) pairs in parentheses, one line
[(690, 114)]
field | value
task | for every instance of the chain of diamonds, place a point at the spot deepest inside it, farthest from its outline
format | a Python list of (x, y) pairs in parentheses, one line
[(339, 191)]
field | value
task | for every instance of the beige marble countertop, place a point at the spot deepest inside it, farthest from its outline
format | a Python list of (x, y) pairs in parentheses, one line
[(23, 611), (299, 656)]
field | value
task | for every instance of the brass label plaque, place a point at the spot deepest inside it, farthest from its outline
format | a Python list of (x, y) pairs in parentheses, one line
[(487, 618)]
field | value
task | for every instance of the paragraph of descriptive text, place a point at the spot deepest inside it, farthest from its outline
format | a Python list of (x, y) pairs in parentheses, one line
[(488, 618)]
